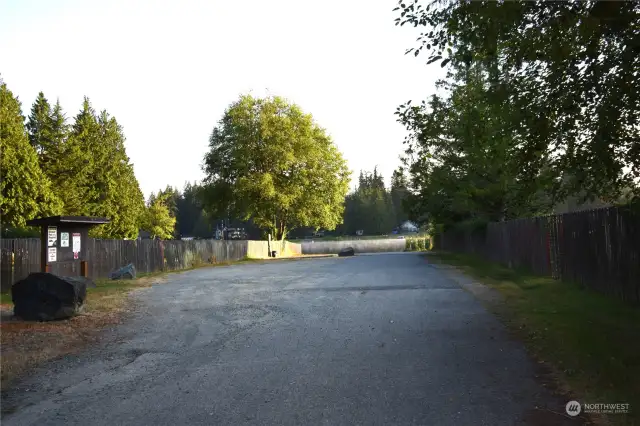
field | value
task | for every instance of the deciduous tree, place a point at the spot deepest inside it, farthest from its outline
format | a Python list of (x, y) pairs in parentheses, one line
[(269, 161), (465, 162), (570, 74), (157, 218)]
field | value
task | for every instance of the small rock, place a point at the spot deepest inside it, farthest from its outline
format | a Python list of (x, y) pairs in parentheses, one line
[(348, 251), (128, 272)]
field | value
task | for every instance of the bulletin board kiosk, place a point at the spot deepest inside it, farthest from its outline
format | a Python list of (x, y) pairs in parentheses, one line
[(64, 243)]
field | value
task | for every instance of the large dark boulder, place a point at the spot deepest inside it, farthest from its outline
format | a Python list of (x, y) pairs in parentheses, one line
[(46, 297), (349, 251)]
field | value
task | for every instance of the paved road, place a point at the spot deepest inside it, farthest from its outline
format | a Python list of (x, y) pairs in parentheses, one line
[(369, 340)]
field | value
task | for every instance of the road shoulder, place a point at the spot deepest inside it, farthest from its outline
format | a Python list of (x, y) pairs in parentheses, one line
[(596, 363)]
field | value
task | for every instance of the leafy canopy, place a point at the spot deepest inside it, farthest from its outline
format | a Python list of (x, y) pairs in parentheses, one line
[(157, 218), (568, 73), (464, 160), (269, 161)]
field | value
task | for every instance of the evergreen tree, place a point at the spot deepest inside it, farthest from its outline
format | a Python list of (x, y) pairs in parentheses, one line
[(47, 132), (203, 227), (399, 195), (39, 126), (25, 190), (369, 208), (77, 171), (188, 210), (120, 195), (59, 132), (98, 177), (59, 127)]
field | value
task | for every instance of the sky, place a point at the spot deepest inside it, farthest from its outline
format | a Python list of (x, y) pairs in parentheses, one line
[(167, 70)]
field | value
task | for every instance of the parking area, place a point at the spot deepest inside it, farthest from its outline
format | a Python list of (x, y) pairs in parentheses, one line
[(382, 339)]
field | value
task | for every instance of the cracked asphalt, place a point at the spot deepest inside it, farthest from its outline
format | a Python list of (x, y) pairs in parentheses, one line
[(370, 340)]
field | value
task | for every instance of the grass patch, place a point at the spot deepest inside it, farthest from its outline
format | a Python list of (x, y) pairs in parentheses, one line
[(591, 341), (5, 298)]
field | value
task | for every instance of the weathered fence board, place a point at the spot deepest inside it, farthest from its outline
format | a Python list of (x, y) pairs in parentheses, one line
[(599, 249)]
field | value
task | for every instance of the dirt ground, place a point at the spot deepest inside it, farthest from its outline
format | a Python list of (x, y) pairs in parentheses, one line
[(26, 344)]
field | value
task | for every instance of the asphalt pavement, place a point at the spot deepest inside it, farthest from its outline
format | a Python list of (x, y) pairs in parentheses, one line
[(368, 340)]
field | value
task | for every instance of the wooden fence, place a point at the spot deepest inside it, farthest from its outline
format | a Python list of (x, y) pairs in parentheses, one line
[(599, 249), (104, 256), (19, 257)]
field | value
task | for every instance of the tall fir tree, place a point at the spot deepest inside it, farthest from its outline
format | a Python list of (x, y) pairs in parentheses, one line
[(98, 177), (369, 208), (78, 178), (47, 133), (120, 191), (59, 133), (399, 195), (39, 125), (189, 210), (25, 190)]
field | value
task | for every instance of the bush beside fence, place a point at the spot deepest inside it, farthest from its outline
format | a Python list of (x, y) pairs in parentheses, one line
[(598, 249), (418, 243)]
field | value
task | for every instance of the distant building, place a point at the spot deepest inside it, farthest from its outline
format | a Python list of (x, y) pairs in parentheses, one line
[(408, 226), (235, 234)]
